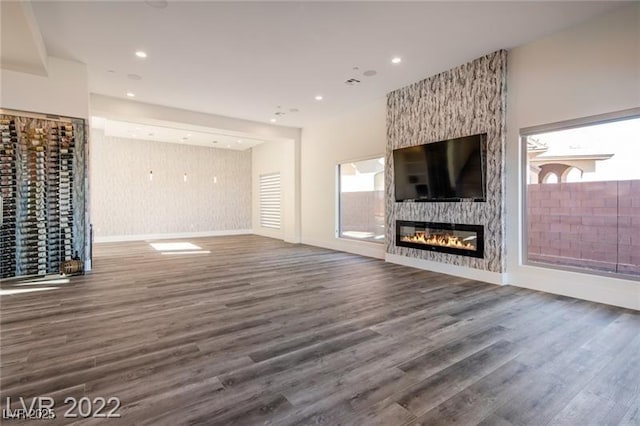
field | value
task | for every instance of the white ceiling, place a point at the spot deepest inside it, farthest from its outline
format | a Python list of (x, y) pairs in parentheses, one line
[(244, 59), (21, 45), (174, 133)]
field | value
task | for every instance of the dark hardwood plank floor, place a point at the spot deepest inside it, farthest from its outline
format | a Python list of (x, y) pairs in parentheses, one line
[(262, 332)]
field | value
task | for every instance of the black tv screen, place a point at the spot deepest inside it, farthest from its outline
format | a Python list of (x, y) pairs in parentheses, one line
[(449, 170)]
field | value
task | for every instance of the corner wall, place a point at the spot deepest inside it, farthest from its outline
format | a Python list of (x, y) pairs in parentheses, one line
[(466, 100), (590, 69), (355, 135), (276, 157)]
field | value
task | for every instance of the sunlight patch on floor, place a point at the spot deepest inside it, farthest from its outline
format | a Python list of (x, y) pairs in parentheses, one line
[(10, 291), (174, 246), (178, 248)]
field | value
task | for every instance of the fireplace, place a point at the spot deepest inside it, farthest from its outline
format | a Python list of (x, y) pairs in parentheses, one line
[(452, 238)]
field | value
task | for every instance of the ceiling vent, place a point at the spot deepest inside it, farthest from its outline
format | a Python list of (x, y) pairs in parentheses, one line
[(352, 81)]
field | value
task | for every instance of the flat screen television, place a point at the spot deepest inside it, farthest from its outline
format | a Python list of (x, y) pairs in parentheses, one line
[(450, 170)]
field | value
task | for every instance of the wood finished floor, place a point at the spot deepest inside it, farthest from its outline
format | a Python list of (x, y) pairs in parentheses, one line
[(263, 332)]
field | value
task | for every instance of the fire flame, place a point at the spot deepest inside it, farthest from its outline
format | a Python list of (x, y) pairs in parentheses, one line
[(443, 240)]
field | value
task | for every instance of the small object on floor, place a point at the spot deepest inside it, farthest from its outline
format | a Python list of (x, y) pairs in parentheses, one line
[(72, 267)]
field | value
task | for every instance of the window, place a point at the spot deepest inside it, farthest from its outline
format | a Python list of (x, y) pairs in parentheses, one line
[(270, 200), (361, 200), (582, 203)]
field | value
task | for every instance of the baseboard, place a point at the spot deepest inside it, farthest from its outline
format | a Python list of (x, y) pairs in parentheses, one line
[(616, 291), (277, 234), (445, 268), (356, 247), (143, 237), (269, 233), (293, 239)]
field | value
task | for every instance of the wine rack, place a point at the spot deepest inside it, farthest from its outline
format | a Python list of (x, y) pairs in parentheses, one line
[(43, 223), (8, 191)]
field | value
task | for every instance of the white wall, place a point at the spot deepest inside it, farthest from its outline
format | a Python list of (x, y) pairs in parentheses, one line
[(276, 157), (127, 205), (64, 91), (354, 135), (589, 69)]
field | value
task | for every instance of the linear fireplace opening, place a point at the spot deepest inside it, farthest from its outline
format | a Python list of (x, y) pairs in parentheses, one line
[(452, 238)]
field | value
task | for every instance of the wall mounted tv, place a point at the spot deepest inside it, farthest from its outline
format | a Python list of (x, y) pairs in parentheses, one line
[(450, 170)]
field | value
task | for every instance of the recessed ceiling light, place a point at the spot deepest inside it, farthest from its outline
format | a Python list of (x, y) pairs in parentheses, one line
[(239, 140), (141, 54), (396, 60), (273, 120), (318, 97), (131, 95), (228, 146), (188, 135), (370, 73)]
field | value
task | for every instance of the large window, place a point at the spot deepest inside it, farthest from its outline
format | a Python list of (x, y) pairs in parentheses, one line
[(582, 204), (361, 200)]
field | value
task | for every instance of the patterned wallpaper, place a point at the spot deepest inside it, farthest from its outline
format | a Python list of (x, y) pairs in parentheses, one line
[(124, 201), (466, 100)]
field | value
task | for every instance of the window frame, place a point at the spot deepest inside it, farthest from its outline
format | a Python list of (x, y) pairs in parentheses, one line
[(338, 185), (593, 120)]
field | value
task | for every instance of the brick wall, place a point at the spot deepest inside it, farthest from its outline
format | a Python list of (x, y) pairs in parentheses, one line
[(629, 227), (363, 211), (586, 224)]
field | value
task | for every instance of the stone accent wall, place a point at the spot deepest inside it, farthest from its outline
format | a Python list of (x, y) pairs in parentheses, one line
[(464, 101), (585, 224)]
